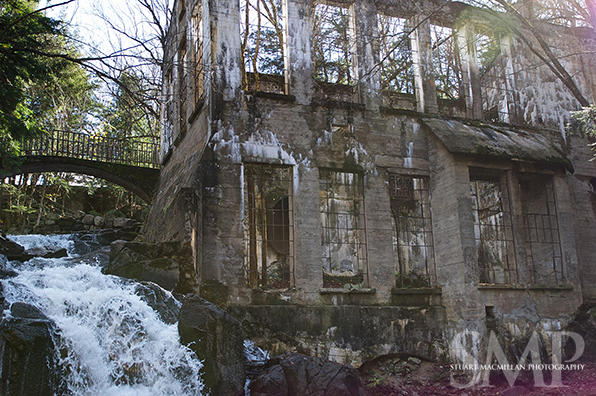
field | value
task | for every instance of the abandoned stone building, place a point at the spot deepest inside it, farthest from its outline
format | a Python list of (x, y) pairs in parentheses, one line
[(359, 178)]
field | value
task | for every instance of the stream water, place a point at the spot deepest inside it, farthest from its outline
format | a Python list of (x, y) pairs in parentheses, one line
[(112, 341)]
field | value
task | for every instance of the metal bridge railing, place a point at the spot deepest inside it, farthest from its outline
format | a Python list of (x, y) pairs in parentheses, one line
[(131, 151)]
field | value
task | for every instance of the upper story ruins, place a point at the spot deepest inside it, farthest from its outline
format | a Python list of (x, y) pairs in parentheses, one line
[(437, 57)]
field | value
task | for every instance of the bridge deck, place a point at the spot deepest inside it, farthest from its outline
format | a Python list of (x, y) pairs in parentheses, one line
[(136, 152)]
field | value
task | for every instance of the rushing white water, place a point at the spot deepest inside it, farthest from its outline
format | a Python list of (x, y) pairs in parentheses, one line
[(113, 343)]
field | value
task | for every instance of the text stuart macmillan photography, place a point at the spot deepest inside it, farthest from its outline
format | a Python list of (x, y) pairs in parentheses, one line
[(533, 360)]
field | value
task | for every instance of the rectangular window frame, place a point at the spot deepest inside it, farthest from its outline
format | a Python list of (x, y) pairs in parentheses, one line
[(343, 232), (395, 48), (447, 69), (183, 82), (267, 202), (335, 53), (411, 215), (260, 19), (544, 254), (198, 69), (493, 228)]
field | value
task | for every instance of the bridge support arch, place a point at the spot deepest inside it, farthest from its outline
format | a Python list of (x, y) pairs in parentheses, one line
[(140, 181)]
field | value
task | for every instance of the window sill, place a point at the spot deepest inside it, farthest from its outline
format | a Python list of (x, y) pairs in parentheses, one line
[(397, 290), (331, 290), (551, 287), (495, 286), (398, 111), (522, 287), (272, 95)]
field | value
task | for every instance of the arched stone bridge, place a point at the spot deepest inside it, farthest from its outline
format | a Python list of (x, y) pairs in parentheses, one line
[(130, 163)]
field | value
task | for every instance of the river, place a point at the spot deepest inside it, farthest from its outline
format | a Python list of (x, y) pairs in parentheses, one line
[(112, 342)]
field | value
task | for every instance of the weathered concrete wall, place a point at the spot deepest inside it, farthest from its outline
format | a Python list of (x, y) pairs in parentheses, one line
[(582, 185), (203, 193), (346, 334)]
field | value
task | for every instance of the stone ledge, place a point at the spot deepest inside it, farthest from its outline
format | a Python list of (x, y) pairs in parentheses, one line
[(416, 297), (352, 334), (397, 290), (486, 286), (524, 287), (550, 287), (331, 290), (272, 95)]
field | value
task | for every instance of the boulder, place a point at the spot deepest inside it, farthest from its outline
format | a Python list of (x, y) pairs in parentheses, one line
[(123, 222), (584, 324), (48, 252), (29, 356), (169, 264), (129, 264), (79, 215), (12, 250), (162, 302), (217, 338), (296, 374), (88, 219), (98, 221), (66, 223)]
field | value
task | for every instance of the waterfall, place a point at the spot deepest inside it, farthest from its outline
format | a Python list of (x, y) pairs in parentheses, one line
[(111, 341)]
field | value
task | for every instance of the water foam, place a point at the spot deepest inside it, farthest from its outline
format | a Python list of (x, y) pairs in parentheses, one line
[(112, 342)]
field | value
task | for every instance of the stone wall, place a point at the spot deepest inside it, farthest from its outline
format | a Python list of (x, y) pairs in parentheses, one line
[(209, 195)]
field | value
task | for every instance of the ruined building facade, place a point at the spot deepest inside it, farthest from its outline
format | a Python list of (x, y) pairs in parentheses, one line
[(391, 174)]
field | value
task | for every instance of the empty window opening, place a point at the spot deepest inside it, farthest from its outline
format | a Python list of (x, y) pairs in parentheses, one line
[(183, 81), (541, 229), (334, 52), (447, 70), (197, 56), (492, 78), (343, 234), (268, 231), (262, 42), (397, 73), (492, 227), (168, 113), (412, 232)]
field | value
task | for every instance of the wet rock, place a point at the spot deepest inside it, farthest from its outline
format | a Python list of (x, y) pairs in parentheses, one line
[(98, 221), (12, 250), (6, 273), (584, 324), (88, 219), (219, 339), (129, 264), (29, 357), (106, 237), (164, 303), (168, 264), (296, 374), (48, 252)]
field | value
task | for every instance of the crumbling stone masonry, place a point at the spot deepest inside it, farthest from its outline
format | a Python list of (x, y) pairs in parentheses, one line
[(359, 178)]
